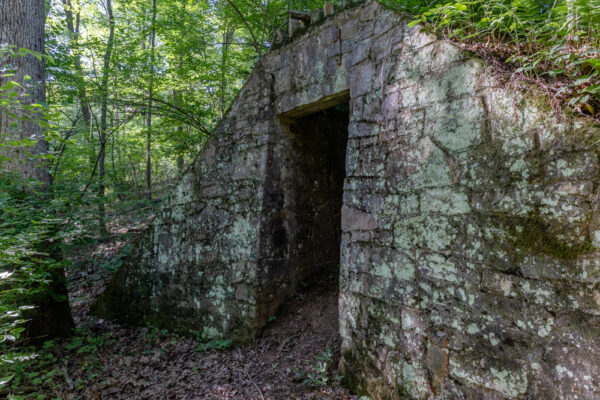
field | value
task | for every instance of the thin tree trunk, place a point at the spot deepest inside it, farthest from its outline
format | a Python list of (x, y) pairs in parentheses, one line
[(149, 113), (227, 36), (103, 117), (133, 170), (178, 100), (257, 46), (73, 27)]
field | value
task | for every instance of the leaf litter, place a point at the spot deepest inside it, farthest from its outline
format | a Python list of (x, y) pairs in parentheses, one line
[(295, 358)]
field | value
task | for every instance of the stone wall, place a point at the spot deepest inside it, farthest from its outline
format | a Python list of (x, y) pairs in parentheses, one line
[(195, 269), (470, 226)]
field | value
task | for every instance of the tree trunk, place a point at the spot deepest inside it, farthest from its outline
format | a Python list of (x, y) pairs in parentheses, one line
[(73, 21), (177, 99), (149, 113), (103, 118), (22, 25), (73, 27), (227, 37)]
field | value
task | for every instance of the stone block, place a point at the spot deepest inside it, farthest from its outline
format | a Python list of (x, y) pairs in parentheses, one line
[(356, 220)]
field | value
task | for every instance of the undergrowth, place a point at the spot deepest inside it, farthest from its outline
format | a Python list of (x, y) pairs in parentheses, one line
[(555, 43)]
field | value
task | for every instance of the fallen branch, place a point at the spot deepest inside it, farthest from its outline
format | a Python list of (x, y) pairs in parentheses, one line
[(255, 385), (66, 375)]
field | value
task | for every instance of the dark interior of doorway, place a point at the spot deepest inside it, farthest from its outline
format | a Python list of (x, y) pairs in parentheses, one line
[(308, 234), (303, 206), (314, 194)]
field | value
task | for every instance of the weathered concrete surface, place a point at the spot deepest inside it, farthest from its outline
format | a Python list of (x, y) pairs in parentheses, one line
[(470, 220)]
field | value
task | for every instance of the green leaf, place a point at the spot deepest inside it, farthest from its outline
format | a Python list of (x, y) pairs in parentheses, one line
[(594, 62), (582, 81), (4, 380)]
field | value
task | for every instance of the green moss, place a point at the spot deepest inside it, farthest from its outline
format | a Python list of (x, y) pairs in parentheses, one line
[(531, 234), (364, 378)]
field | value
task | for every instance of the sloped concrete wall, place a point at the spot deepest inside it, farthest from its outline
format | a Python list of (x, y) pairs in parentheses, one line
[(195, 269), (469, 256)]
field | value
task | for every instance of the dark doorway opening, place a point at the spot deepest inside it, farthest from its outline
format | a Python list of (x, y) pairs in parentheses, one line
[(313, 191), (300, 249), (306, 232)]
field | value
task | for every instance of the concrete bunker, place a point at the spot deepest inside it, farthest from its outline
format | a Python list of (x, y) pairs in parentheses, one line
[(456, 192)]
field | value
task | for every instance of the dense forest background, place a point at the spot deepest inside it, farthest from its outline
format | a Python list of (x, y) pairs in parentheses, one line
[(127, 92)]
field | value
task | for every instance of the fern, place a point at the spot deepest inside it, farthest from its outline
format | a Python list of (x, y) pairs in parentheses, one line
[(554, 40)]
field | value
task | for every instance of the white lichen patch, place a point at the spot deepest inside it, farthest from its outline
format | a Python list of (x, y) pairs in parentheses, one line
[(472, 329), (446, 201), (544, 330), (563, 372)]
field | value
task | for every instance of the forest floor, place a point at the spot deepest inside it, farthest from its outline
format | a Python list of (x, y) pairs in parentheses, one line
[(295, 358)]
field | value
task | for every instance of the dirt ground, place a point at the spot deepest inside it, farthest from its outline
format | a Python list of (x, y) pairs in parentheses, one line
[(296, 357)]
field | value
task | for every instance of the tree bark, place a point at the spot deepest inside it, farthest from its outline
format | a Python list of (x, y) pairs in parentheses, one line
[(22, 25)]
